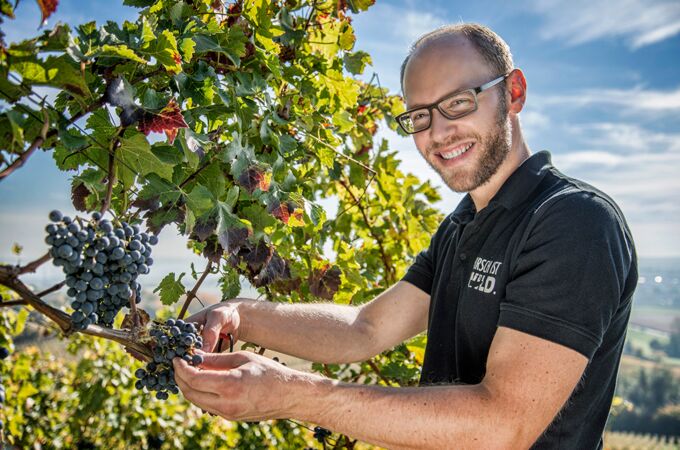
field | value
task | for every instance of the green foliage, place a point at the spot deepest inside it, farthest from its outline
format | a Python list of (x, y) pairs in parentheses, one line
[(91, 400), (263, 121)]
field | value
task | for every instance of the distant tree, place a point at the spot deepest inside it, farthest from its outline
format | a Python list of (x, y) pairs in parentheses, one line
[(673, 346)]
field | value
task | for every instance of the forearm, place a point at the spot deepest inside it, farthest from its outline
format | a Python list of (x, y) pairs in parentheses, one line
[(462, 417), (319, 332)]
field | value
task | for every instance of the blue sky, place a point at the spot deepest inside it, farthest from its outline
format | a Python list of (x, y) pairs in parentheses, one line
[(603, 97)]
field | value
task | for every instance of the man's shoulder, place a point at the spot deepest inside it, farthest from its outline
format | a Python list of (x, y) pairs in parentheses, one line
[(574, 198)]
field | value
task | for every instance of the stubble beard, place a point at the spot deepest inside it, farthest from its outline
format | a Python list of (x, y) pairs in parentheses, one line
[(491, 150)]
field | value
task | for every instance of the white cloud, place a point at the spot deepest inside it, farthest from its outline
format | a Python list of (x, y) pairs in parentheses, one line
[(636, 100), (641, 22)]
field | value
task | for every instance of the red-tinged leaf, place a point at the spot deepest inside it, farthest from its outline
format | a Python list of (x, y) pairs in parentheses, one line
[(157, 219), (171, 134), (204, 228), (256, 257), (276, 269), (168, 119), (79, 195), (47, 7), (325, 282), (177, 58), (280, 211), (213, 250), (233, 13), (234, 238), (151, 203), (255, 177)]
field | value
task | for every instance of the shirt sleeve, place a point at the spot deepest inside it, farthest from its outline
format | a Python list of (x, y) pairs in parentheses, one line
[(570, 273)]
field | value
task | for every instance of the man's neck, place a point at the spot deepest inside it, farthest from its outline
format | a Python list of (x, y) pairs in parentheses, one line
[(519, 152)]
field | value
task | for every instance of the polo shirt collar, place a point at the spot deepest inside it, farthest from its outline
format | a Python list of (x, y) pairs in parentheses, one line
[(523, 180), (514, 191)]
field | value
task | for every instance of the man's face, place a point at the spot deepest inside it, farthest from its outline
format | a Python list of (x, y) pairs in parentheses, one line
[(442, 68)]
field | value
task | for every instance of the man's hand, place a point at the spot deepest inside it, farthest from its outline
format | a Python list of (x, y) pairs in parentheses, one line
[(238, 386), (222, 317)]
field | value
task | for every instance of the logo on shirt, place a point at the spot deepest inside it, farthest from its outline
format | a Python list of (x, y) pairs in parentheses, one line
[(483, 275)]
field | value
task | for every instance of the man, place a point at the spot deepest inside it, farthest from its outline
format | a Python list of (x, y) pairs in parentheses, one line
[(525, 290)]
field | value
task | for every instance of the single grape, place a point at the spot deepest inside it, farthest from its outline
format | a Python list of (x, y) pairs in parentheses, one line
[(55, 215)]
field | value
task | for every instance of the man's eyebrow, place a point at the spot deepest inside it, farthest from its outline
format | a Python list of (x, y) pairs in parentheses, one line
[(423, 105)]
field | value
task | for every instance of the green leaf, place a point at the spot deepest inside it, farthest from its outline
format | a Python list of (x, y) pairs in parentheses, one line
[(187, 46), (171, 289), (136, 158), (120, 51), (164, 49), (200, 200), (356, 62), (56, 71), (230, 285)]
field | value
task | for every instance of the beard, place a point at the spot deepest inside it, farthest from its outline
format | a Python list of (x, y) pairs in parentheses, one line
[(492, 149)]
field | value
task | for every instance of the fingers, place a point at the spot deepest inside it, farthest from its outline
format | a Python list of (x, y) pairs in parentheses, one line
[(223, 361), (213, 326), (206, 380)]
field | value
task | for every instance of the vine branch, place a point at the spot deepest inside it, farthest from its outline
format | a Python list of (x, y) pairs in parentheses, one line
[(383, 254), (37, 142), (127, 338), (192, 293)]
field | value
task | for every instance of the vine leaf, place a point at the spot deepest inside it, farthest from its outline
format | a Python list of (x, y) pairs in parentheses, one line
[(325, 282), (47, 7), (79, 194), (171, 289), (168, 120), (255, 177)]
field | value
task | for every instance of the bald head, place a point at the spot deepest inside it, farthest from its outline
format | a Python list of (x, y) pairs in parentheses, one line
[(490, 47)]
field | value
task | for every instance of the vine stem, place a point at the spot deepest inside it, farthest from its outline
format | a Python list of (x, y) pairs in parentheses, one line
[(127, 338), (37, 142), (192, 293), (111, 171), (376, 369), (358, 163), (385, 259)]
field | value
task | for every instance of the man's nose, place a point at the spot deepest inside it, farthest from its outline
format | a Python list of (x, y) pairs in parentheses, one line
[(441, 128)]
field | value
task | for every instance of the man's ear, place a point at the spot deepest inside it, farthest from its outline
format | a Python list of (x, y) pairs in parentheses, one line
[(517, 90)]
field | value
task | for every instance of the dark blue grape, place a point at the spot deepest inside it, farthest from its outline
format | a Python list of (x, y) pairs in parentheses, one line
[(4, 353), (55, 215), (153, 239)]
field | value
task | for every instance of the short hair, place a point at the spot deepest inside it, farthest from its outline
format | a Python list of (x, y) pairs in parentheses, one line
[(490, 46)]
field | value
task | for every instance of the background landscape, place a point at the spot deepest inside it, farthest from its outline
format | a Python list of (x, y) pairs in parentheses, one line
[(604, 98)]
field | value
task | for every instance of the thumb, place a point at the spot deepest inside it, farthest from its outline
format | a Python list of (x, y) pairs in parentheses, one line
[(222, 361)]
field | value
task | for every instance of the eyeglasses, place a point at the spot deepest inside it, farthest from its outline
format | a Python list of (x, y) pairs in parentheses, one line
[(453, 106)]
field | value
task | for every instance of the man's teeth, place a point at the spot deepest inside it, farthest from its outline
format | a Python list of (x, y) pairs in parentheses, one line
[(455, 153)]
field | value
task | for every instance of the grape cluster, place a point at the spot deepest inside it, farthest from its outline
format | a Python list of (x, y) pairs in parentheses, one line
[(101, 262), (4, 353), (176, 338)]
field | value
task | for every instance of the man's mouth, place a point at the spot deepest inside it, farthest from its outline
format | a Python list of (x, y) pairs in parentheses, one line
[(455, 151)]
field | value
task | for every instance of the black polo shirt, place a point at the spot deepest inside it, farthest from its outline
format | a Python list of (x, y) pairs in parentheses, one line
[(550, 256)]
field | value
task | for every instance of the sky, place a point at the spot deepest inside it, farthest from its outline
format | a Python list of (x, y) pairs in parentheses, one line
[(603, 97)]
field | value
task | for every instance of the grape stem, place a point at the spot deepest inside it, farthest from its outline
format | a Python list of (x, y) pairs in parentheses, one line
[(133, 311), (8, 278), (192, 293)]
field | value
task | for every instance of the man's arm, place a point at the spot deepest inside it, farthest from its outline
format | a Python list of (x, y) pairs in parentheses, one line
[(528, 380), (331, 333)]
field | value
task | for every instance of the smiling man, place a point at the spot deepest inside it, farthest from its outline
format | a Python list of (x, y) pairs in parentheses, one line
[(525, 290)]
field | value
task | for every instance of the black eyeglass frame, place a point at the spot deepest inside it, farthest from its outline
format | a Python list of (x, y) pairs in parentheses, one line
[(437, 104)]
